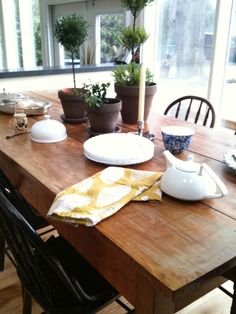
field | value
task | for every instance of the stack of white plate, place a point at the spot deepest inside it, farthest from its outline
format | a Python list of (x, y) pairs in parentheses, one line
[(119, 149)]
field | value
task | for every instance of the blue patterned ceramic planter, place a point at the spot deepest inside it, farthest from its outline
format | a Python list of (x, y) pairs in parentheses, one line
[(177, 139)]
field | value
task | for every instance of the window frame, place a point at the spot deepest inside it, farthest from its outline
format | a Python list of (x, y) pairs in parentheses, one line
[(50, 48)]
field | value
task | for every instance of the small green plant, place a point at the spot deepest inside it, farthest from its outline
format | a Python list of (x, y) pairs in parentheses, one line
[(95, 95), (129, 75), (71, 31)]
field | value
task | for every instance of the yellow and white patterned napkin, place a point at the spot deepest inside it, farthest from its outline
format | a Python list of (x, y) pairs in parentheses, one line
[(100, 196)]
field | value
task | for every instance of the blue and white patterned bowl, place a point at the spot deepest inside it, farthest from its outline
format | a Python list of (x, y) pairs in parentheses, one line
[(177, 139)]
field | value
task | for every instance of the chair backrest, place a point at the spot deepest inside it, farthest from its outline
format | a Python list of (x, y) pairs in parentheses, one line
[(20, 203), (39, 271), (194, 109)]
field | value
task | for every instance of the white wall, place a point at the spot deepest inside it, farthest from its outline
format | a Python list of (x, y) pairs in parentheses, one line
[(47, 82)]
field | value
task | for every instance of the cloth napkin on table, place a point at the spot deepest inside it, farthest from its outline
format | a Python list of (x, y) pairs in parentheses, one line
[(100, 196)]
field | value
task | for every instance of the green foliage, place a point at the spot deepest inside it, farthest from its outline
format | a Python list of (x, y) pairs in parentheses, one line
[(130, 75), (111, 27), (37, 32), (71, 31), (95, 95), (132, 39), (135, 6), (38, 45)]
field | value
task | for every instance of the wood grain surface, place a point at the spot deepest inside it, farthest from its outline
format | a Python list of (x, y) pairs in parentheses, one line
[(160, 256)]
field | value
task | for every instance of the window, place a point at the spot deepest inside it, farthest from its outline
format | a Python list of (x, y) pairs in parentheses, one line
[(110, 29), (21, 32), (105, 24), (1, 55), (184, 48), (228, 109)]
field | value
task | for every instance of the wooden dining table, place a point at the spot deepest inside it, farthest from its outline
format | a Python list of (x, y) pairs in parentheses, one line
[(160, 256)]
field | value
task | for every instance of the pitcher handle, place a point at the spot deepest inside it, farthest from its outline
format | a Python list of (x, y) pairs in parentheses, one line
[(221, 186)]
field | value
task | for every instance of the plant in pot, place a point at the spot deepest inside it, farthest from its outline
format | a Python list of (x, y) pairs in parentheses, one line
[(103, 112), (127, 77), (71, 31)]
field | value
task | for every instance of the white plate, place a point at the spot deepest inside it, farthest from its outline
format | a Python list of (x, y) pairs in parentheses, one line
[(119, 149), (230, 159)]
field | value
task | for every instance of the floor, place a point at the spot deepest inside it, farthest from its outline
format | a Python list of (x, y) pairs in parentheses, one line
[(215, 302)]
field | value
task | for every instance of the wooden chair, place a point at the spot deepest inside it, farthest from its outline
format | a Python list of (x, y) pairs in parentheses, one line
[(194, 109), (53, 272), (37, 221), (229, 124)]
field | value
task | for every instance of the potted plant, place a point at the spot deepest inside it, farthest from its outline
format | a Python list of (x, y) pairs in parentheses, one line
[(103, 112), (127, 76), (71, 31)]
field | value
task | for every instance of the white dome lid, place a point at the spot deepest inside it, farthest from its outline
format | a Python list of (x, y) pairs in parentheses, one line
[(48, 131)]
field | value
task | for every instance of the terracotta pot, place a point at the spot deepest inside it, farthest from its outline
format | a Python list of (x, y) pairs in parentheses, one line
[(74, 106), (130, 98), (104, 119)]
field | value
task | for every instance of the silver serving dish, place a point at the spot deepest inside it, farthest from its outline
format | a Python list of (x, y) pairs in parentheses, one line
[(12, 102)]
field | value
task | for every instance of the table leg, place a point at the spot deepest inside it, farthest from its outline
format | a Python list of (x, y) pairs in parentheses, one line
[(163, 304), (150, 300), (144, 296)]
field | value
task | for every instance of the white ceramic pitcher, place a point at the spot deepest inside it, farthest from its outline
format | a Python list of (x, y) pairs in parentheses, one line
[(189, 180)]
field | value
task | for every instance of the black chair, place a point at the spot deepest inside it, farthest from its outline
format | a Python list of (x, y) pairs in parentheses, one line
[(194, 109), (53, 272), (37, 221)]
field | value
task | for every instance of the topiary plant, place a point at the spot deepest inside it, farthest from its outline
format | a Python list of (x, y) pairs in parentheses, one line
[(127, 77), (71, 31), (132, 36)]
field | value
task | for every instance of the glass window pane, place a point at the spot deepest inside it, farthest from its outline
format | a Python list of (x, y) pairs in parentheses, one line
[(22, 26), (18, 33), (228, 109), (185, 45), (37, 33), (1, 60), (110, 30), (10, 39)]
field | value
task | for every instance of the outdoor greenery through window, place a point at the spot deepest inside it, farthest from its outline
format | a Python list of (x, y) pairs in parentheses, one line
[(186, 30), (228, 111), (1, 61), (186, 38), (22, 38), (37, 32), (110, 31)]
